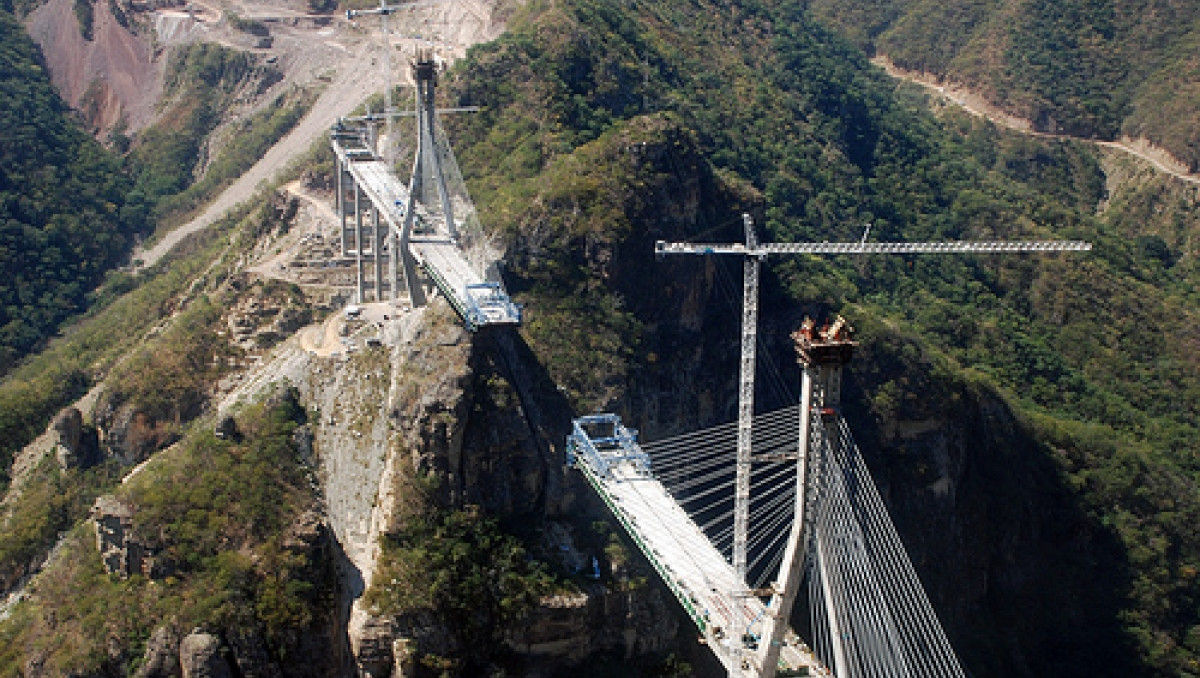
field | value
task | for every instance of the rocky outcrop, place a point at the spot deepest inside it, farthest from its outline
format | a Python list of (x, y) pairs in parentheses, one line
[(387, 647), (128, 435), (161, 659), (429, 402), (121, 550), (113, 523), (372, 647), (75, 446), (203, 655), (565, 629)]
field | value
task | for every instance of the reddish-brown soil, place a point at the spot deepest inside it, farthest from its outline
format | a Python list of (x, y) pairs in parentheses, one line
[(109, 79)]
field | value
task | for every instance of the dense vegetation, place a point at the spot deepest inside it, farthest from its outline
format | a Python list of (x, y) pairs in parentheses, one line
[(66, 217), (606, 125), (49, 505), (58, 268), (1085, 67), (160, 340), (459, 567), (36, 390), (72, 209), (219, 515)]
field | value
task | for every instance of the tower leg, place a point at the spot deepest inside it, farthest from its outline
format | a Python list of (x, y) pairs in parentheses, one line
[(408, 264), (377, 253), (358, 241), (791, 568)]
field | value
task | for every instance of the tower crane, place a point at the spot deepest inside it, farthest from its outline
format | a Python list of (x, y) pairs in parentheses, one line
[(825, 376)]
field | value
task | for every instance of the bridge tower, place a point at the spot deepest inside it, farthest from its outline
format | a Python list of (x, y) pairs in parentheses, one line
[(425, 68), (822, 353)]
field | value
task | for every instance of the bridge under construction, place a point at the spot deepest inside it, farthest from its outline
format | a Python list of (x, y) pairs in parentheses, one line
[(803, 514), (803, 520), (407, 237)]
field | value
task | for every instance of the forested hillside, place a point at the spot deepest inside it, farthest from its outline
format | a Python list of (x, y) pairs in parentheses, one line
[(597, 115), (72, 208), (1030, 419), (1093, 68), (66, 217)]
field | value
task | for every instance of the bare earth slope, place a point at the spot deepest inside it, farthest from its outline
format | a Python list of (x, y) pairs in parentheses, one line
[(349, 57), (112, 79)]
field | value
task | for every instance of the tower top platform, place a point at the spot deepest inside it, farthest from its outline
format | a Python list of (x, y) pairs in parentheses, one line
[(829, 345)]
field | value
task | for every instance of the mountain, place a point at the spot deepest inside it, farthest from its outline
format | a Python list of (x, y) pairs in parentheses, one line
[(1091, 68), (1031, 413), (65, 213), (1028, 419), (74, 208)]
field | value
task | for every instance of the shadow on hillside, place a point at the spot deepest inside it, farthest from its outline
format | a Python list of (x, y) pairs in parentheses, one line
[(350, 586), (547, 414), (1025, 581)]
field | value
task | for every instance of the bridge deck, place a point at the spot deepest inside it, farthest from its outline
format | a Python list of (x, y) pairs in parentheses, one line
[(479, 302), (691, 566)]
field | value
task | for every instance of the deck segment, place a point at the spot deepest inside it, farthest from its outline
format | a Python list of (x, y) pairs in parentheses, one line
[(694, 570)]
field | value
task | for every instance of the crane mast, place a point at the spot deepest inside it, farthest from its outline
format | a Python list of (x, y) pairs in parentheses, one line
[(763, 662)]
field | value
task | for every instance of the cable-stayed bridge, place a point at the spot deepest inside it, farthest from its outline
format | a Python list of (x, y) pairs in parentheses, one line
[(402, 236), (803, 521), (818, 532), (743, 520)]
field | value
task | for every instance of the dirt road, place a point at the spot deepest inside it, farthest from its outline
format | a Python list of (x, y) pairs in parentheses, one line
[(354, 76), (349, 58), (976, 105)]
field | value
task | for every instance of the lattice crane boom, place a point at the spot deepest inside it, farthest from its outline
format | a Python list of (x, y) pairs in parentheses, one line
[(946, 247)]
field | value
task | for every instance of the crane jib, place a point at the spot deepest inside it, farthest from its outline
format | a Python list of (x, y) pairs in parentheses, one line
[(948, 247)]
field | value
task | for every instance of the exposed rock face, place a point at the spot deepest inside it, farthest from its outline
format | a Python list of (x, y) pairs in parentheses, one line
[(121, 551), (161, 659), (111, 77), (430, 402), (201, 655), (227, 429), (129, 435), (460, 414), (372, 647), (74, 445), (989, 523), (386, 647), (566, 629)]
